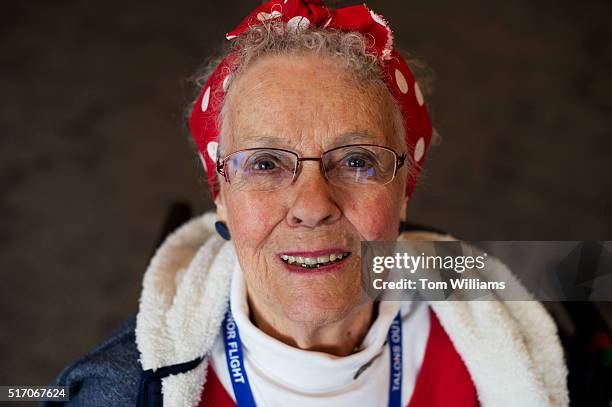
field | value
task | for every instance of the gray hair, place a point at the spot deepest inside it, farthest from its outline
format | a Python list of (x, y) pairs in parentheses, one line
[(350, 49)]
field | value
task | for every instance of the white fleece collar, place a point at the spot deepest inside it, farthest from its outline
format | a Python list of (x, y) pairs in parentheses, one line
[(511, 349), (183, 300)]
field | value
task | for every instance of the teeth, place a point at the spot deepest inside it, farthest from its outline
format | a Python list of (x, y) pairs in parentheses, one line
[(310, 262)]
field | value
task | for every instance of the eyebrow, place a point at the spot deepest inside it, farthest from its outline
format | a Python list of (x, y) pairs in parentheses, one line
[(353, 137), (266, 141), (363, 136)]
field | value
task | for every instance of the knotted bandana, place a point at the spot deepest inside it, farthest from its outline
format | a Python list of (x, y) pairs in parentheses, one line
[(300, 15)]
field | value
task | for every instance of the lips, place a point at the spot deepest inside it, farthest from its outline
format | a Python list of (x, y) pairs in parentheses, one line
[(315, 259)]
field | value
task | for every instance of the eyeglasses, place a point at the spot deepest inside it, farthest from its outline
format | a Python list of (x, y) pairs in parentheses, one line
[(269, 169)]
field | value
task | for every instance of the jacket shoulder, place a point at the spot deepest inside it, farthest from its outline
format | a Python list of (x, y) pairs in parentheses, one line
[(108, 375)]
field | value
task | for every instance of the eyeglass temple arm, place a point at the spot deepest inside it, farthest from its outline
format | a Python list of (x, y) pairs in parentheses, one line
[(401, 160), (221, 167)]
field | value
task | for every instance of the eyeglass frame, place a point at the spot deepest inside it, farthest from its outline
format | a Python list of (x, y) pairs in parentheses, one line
[(400, 160)]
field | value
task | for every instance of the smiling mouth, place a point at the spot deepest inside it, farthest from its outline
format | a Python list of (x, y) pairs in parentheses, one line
[(315, 262)]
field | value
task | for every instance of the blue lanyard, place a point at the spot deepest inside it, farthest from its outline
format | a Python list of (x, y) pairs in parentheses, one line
[(240, 380)]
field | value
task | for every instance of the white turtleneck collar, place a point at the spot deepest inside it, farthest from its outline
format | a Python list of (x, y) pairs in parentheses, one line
[(283, 375)]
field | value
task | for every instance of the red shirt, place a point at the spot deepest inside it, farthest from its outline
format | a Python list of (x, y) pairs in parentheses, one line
[(442, 381)]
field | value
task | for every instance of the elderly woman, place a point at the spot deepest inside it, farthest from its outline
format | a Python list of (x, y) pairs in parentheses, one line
[(312, 131)]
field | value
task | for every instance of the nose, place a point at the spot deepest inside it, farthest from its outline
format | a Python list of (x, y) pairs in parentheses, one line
[(313, 201)]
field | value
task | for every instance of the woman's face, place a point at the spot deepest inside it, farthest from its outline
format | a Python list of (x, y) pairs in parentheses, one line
[(307, 104)]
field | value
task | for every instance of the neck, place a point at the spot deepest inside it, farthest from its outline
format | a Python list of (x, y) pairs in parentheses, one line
[(339, 338)]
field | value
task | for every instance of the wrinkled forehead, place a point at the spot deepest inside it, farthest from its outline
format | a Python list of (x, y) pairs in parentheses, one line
[(307, 102)]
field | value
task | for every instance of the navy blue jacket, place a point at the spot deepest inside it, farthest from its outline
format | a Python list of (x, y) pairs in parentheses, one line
[(108, 376)]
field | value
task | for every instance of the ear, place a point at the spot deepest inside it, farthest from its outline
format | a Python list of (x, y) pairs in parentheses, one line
[(221, 208), (404, 209)]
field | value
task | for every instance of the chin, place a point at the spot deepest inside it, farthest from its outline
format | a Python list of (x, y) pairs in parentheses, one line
[(316, 307)]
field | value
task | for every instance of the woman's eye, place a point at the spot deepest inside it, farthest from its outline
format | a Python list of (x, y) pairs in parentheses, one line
[(265, 165), (357, 162)]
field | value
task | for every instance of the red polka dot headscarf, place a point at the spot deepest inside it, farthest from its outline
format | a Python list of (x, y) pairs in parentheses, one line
[(300, 15)]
